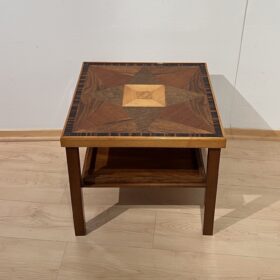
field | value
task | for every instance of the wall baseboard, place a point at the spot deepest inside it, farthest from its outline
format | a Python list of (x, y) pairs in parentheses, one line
[(54, 134), (248, 133), (30, 135)]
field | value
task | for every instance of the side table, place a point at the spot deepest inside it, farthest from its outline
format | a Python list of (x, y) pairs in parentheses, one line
[(154, 119)]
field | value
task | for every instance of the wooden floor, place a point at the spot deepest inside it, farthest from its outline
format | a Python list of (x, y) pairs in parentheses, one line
[(139, 234)]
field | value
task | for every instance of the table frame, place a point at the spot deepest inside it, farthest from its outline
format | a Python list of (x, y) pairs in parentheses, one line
[(72, 143), (76, 185)]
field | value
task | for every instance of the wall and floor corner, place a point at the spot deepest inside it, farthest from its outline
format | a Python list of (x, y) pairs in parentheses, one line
[(44, 42)]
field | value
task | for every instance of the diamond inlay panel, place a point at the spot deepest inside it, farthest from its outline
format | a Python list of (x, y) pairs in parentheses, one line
[(144, 95)]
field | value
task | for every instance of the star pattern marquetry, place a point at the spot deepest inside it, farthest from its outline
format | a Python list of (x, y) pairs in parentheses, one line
[(143, 99)]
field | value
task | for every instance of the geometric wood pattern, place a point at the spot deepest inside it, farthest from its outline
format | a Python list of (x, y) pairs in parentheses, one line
[(99, 117), (144, 95), (178, 103)]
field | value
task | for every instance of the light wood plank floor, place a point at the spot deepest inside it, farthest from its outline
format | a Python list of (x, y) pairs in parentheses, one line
[(139, 234)]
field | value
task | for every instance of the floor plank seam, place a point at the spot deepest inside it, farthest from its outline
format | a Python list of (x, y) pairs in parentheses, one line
[(154, 232), (62, 258)]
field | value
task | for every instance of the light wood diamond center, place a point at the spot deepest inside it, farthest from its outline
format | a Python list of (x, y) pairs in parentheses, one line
[(143, 95)]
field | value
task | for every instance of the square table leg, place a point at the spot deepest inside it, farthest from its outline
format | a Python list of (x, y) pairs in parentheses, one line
[(75, 181), (213, 160)]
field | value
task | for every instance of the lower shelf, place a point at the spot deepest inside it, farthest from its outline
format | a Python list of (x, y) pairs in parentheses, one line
[(143, 167)]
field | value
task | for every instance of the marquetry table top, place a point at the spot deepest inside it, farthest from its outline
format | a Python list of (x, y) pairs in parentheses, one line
[(143, 105)]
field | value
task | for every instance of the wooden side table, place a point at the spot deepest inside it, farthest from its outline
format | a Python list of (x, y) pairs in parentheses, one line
[(154, 119)]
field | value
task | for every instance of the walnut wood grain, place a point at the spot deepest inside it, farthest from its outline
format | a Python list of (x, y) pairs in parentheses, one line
[(75, 181), (114, 106), (100, 108), (213, 161), (147, 167), (89, 161)]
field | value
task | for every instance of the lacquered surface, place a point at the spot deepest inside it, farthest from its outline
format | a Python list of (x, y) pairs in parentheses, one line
[(97, 108)]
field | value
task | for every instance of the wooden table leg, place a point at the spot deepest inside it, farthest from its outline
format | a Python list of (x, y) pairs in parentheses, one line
[(213, 161), (75, 181), (89, 163)]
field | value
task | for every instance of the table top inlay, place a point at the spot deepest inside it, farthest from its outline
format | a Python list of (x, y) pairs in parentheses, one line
[(143, 100)]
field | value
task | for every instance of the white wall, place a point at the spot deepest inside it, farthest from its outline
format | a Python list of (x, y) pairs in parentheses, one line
[(44, 42), (259, 69)]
